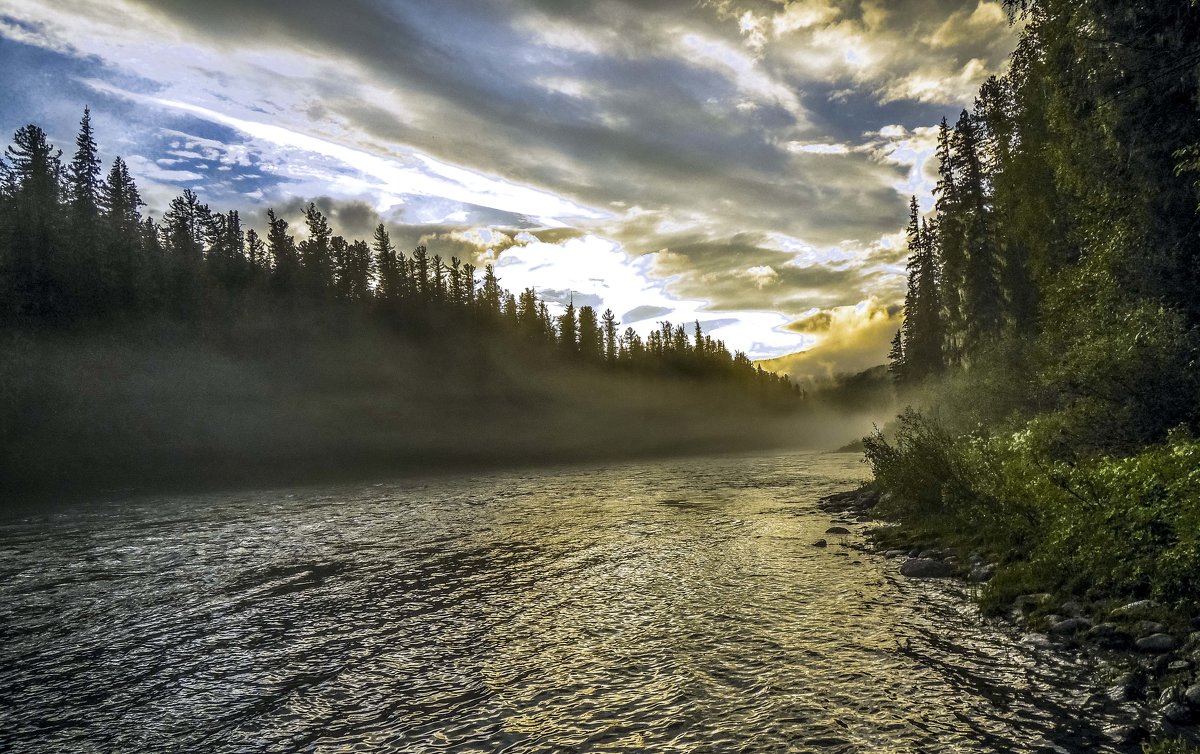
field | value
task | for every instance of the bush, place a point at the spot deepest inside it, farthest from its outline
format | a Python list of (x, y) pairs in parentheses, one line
[(1106, 526), (923, 471)]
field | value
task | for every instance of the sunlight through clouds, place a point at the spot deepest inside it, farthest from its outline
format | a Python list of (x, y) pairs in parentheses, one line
[(764, 146)]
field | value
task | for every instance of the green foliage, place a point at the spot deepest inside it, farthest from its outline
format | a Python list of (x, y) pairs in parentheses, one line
[(1065, 235), (1171, 746), (923, 470)]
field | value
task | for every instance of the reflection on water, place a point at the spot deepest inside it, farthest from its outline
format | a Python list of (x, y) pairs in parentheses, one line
[(666, 606)]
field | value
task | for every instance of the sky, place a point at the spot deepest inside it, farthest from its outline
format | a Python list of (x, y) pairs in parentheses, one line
[(743, 163)]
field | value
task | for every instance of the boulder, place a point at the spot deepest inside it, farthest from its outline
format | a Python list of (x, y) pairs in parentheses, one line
[(926, 568), (837, 530), (1156, 643)]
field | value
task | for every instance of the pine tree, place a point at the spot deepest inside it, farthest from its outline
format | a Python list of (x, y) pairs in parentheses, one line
[(982, 303), (35, 268), (386, 263), (316, 253), (610, 336), (568, 329), (590, 336), (83, 174), (896, 358), (281, 248)]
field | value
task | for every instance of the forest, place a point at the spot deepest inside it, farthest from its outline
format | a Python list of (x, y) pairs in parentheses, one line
[(137, 350), (1048, 354)]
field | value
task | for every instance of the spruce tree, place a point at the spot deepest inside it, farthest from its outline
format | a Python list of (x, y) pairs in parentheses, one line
[(83, 174)]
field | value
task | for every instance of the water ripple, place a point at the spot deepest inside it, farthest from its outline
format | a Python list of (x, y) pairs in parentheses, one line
[(668, 607)]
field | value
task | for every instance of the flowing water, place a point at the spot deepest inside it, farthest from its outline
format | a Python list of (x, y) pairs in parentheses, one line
[(661, 606)]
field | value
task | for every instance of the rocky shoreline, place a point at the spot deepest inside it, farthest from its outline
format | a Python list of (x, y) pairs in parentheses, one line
[(1151, 651)]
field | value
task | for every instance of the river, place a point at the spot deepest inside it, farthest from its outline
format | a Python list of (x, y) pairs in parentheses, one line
[(665, 606)]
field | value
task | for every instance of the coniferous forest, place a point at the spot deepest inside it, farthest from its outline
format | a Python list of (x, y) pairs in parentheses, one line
[(1049, 347), (199, 346)]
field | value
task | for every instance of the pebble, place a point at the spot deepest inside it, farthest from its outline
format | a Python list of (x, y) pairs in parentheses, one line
[(1156, 643), (837, 530), (895, 553), (1178, 666), (926, 568), (820, 543), (1147, 627)]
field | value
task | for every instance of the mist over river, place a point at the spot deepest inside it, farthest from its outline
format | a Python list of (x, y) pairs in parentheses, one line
[(665, 606)]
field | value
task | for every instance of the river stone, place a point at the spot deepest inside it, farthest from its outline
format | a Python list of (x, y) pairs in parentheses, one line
[(820, 543), (1071, 609), (926, 568), (1176, 712), (1178, 666), (1134, 608), (982, 573), (1147, 627), (1156, 643), (1193, 695), (929, 555), (1070, 626), (1124, 735), (895, 553), (837, 530), (1108, 636)]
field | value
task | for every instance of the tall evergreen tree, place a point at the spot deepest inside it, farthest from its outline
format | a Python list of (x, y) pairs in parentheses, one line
[(83, 174)]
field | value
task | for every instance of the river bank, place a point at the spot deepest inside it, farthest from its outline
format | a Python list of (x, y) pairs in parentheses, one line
[(1149, 651)]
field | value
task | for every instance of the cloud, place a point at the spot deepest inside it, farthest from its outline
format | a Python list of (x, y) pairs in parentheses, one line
[(848, 339), (736, 161)]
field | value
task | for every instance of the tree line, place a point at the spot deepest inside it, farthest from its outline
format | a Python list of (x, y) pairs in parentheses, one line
[(76, 248)]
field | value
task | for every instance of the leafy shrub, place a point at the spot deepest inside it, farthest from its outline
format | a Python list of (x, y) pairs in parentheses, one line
[(923, 470)]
